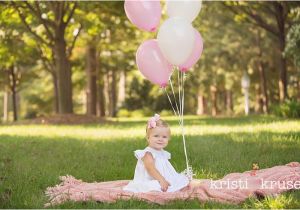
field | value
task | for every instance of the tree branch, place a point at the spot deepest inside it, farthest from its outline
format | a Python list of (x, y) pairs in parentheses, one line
[(260, 22), (23, 19), (48, 21), (56, 9), (236, 12), (51, 4), (71, 14), (70, 49), (254, 19), (46, 63), (38, 14), (60, 8), (268, 9)]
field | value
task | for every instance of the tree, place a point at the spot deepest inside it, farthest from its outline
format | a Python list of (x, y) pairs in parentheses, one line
[(272, 17), (218, 71), (293, 50), (118, 44), (54, 18), (13, 64), (102, 38)]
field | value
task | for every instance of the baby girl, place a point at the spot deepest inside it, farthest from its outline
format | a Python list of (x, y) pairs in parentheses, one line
[(153, 171)]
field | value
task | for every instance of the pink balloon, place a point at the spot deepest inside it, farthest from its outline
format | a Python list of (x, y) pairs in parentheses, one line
[(143, 14), (196, 54), (152, 64)]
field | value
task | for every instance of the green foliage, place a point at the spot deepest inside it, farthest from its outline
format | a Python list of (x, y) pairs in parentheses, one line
[(293, 44), (286, 201), (145, 112), (290, 108), (229, 49), (164, 113), (139, 94), (143, 94), (123, 113), (31, 114), (138, 113)]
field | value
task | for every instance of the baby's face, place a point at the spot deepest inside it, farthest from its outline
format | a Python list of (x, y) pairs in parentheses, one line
[(159, 137)]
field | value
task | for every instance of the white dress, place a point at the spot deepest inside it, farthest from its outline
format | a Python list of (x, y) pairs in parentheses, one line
[(143, 182)]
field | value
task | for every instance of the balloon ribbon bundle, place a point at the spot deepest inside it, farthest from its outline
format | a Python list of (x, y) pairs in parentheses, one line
[(155, 58)]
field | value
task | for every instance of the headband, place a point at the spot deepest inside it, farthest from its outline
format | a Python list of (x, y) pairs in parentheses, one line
[(152, 121)]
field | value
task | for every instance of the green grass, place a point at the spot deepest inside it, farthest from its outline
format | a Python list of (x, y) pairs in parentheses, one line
[(32, 157)]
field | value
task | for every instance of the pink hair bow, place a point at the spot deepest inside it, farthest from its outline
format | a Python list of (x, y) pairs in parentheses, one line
[(152, 121)]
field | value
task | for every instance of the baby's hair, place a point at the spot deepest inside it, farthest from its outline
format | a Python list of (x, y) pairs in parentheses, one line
[(159, 123)]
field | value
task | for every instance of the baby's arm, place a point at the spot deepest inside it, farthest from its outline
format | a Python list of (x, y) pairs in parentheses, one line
[(152, 171)]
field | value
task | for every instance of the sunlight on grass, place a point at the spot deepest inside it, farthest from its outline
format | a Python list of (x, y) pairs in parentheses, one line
[(279, 202), (204, 174), (195, 126)]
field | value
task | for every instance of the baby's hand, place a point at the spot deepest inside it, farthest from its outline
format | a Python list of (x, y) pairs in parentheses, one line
[(164, 185)]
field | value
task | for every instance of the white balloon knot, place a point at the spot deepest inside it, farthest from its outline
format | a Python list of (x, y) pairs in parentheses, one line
[(188, 172)]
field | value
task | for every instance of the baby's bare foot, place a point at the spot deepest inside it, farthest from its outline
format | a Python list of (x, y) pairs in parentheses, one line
[(196, 182)]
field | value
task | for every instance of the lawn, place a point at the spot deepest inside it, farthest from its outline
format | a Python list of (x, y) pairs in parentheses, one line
[(32, 157)]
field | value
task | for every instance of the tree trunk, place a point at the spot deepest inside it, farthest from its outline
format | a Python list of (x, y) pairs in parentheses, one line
[(91, 80), (223, 97), (262, 77), (122, 88), (13, 86), (280, 11), (200, 104), (298, 87), (113, 93), (55, 92), (55, 32), (63, 74), (101, 100), (258, 99), (107, 93), (280, 18), (101, 87), (213, 95), (5, 106), (283, 77), (101, 96), (229, 102), (263, 87)]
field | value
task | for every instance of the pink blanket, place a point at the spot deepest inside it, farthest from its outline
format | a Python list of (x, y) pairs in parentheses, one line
[(232, 188)]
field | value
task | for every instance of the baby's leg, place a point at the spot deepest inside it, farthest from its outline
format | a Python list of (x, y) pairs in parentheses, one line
[(196, 182)]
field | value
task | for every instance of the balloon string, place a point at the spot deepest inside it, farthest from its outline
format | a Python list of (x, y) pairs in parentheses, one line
[(179, 93), (182, 94), (179, 114), (181, 105), (170, 101), (174, 95), (182, 122)]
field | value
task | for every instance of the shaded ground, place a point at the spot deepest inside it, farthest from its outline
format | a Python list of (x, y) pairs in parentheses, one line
[(69, 119)]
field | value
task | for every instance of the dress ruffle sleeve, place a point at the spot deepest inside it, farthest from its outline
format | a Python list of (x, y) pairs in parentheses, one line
[(139, 154)]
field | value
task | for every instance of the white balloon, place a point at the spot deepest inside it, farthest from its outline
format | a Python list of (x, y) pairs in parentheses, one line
[(188, 9), (176, 39)]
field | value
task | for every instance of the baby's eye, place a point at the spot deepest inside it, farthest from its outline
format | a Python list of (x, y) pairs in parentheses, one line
[(155, 135), (164, 136)]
